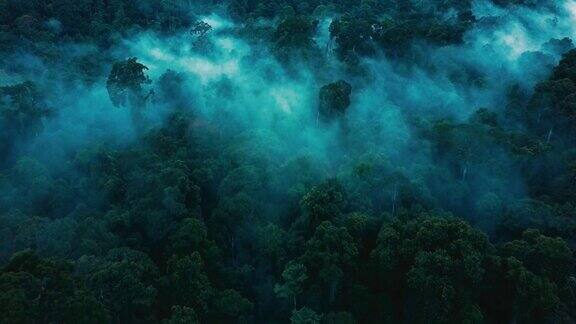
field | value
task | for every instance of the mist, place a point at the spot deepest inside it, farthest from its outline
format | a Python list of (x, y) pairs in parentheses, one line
[(269, 162)]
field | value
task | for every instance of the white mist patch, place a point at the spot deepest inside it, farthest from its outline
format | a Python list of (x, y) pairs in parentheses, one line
[(208, 70), (323, 38), (520, 29), (158, 54), (227, 43), (286, 98), (515, 40), (178, 53), (242, 83), (85, 116), (217, 22), (252, 89), (483, 8), (232, 84), (570, 7), (92, 115)]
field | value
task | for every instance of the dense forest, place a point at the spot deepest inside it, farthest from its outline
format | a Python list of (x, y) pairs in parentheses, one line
[(283, 161)]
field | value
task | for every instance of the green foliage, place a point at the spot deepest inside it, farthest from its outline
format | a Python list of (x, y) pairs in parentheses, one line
[(305, 316), (22, 112), (439, 262), (199, 218), (124, 281), (324, 202), (293, 276), (125, 83), (200, 28), (182, 315), (230, 305), (545, 256), (38, 290), (295, 35), (187, 284), (334, 100)]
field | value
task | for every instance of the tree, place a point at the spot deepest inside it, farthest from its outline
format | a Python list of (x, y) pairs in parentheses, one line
[(305, 316), (22, 108), (558, 46), (270, 242), (330, 254), (340, 318), (548, 257), (186, 283), (182, 315), (434, 291), (325, 201), (22, 112), (123, 281), (17, 303), (200, 28), (125, 83), (190, 236), (435, 263), (334, 100), (229, 305), (530, 298), (294, 276), (45, 291), (354, 37), (552, 108), (294, 35)]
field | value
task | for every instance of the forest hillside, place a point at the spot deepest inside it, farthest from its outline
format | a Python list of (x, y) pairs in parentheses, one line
[(283, 161)]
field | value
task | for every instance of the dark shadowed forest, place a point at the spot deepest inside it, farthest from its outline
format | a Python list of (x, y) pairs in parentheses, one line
[(284, 161)]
